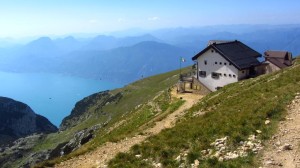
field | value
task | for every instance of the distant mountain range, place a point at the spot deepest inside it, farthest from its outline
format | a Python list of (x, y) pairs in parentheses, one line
[(103, 57), (259, 37), (125, 63), (103, 42), (125, 59)]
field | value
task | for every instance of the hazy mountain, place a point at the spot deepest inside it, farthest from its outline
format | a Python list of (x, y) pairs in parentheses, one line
[(42, 47), (6, 42), (129, 58), (38, 55), (260, 38), (103, 42), (168, 34), (126, 64), (128, 41), (126, 59), (285, 39), (69, 44)]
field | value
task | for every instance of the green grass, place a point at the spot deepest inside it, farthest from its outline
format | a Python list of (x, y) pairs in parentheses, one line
[(133, 108), (237, 111)]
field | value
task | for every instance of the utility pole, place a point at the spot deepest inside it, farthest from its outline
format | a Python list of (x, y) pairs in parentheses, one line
[(180, 60), (180, 68)]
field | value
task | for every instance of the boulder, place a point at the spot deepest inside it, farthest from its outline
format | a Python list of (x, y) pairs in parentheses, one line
[(267, 122), (178, 158), (286, 146), (79, 139), (196, 163), (259, 131), (138, 156)]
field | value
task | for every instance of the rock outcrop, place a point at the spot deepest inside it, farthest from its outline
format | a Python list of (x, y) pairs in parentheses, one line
[(222, 152), (81, 110), (21, 149), (79, 139), (18, 120)]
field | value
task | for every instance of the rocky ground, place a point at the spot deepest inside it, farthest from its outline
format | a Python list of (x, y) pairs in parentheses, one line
[(283, 149), (100, 156), (19, 149)]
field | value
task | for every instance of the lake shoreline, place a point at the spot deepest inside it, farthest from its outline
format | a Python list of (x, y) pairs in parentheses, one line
[(49, 94)]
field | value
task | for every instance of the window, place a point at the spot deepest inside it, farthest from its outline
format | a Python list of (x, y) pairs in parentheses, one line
[(205, 62), (234, 76), (230, 63), (243, 71), (220, 63), (218, 88), (202, 73), (229, 75), (225, 63), (215, 75), (216, 62), (225, 75), (212, 51)]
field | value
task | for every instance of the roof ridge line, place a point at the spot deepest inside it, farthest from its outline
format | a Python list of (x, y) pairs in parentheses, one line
[(227, 42)]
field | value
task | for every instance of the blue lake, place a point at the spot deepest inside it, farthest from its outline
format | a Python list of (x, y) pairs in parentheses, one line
[(50, 95)]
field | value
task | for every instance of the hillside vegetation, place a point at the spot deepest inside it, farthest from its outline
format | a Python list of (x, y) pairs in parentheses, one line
[(237, 111), (233, 114), (139, 103)]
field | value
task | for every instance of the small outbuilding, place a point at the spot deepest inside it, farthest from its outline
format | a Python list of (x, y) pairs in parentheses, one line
[(277, 60)]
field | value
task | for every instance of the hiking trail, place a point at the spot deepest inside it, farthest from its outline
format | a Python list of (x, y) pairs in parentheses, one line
[(101, 155), (283, 149)]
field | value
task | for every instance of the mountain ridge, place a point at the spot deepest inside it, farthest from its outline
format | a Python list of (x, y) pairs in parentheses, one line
[(64, 55), (18, 120), (144, 59)]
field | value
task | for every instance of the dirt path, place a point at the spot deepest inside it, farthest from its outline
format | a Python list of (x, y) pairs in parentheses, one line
[(100, 156), (283, 149)]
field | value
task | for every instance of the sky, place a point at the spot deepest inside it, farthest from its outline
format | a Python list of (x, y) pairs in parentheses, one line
[(21, 18)]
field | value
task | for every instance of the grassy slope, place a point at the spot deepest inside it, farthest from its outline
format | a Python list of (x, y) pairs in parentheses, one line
[(237, 111), (132, 108)]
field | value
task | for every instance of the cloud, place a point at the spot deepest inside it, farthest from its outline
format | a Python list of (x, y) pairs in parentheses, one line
[(155, 18), (93, 21), (121, 20)]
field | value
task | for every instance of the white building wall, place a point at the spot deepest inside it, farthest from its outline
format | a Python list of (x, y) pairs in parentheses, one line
[(229, 73)]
